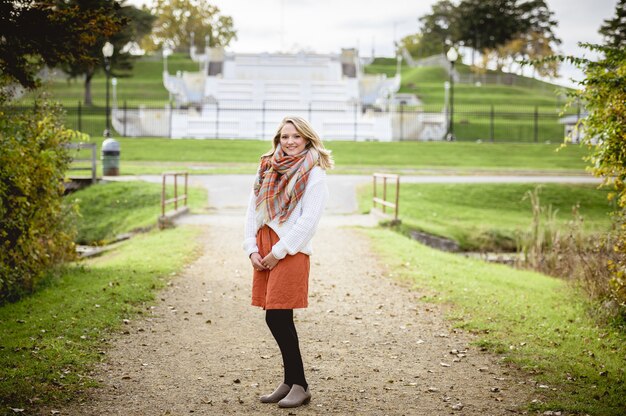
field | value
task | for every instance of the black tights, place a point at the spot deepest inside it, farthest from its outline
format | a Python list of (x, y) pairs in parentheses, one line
[(280, 322)]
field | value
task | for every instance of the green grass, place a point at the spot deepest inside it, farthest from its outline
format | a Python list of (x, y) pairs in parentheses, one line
[(49, 341), (113, 208), (513, 106), (536, 322), (144, 85), (144, 155), (488, 217)]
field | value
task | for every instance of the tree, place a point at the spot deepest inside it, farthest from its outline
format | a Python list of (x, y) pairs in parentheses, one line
[(487, 24), (439, 27), (603, 92), (135, 24), (177, 19), (34, 33), (36, 231), (536, 48), (494, 27), (500, 25), (614, 30)]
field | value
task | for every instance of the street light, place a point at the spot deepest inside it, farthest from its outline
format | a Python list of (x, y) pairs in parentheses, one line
[(107, 52), (452, 56), (167, 51)]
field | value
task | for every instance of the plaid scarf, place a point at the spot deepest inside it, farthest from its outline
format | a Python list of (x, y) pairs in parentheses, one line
[(281, 183)]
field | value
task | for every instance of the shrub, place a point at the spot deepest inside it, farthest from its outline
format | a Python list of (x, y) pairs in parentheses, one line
[(35, 229), (571, 254)]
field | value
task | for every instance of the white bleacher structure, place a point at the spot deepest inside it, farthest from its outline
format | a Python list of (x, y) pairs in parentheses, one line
[(236, 95)]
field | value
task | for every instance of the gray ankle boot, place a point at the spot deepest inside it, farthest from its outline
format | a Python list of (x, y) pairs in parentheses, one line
[(297, 397), (280, 392)]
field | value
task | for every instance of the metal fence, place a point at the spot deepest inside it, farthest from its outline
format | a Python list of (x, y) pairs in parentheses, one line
[(493, 123)]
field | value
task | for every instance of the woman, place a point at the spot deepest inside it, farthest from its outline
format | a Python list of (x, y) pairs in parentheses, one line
[(285, 207)]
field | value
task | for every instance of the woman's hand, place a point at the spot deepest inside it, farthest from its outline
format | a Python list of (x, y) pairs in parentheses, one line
[(270, 261), (256, 260)]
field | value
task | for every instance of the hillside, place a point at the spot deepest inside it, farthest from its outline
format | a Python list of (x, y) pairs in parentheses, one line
[(428, 84)]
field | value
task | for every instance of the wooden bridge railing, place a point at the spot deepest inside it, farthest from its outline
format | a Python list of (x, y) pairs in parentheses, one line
[(165, 220), (383, 201)]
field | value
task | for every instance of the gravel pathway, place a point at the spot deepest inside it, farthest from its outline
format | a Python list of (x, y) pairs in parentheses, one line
[(370, 345)]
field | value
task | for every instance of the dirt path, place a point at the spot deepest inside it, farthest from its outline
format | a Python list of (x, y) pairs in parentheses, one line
[(370, 346)]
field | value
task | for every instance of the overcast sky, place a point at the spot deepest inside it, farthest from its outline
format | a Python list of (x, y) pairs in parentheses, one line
[(329, 25)]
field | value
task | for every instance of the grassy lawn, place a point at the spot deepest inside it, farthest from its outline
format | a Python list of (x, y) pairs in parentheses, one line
[(109, 209), (51, 339), (513, 106), (490, 216), (536, 322), (142, 155), (144, 85)]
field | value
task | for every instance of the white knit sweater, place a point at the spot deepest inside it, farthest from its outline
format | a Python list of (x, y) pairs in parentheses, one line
[(297, 231)]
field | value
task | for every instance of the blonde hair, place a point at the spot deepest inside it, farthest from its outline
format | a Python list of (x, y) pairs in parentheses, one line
[(313, 140)]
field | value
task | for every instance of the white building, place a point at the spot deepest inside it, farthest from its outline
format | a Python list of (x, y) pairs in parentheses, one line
[(246, 95)]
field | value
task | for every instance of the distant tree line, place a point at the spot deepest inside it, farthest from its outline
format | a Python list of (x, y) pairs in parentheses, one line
[(500, 32)]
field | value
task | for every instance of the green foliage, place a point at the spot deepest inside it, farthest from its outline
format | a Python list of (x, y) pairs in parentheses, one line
[(569, 251), (177, 19), (35, 229), (604, 94), (50, 32), (134, 25), (488, 26), (438, 26), (51, 340)]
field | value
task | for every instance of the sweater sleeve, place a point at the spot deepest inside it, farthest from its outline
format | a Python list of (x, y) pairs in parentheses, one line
[(250, 229), (313, 203)]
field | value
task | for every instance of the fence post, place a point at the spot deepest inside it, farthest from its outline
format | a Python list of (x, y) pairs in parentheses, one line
[(80, 117), (217, 120), (355, 118), (536, 124), (401, 122), (169, 133), (163, 195), (384, 193), (186, 187), (491, 124), (397, 196), (125, 118), (176, 192)]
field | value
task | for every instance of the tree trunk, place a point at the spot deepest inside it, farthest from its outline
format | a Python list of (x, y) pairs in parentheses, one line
[(88, 77)]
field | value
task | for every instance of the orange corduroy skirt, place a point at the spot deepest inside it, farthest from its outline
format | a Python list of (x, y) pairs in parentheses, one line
[(286, 286)]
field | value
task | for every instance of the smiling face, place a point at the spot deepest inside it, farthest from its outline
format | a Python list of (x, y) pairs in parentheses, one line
[(291, 141)]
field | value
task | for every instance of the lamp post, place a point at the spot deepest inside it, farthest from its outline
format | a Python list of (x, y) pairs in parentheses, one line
[(107, 52), (452, 56), (167, 51), (110, 146)]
